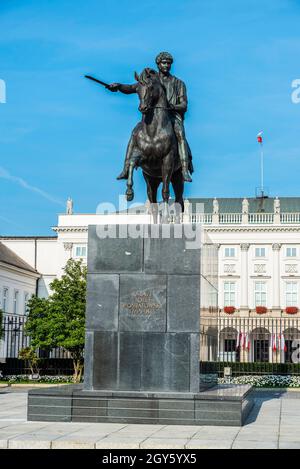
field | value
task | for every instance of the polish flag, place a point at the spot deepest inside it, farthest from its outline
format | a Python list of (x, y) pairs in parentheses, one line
[(282, 343), (274, 347), (243, 340), (259, 137), (238, 340), (247, 342)]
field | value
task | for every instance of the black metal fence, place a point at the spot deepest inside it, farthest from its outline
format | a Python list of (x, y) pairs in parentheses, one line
[(251, 345), (52, 362)]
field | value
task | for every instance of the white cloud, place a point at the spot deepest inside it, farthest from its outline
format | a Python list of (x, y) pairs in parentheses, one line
[(4, 174)]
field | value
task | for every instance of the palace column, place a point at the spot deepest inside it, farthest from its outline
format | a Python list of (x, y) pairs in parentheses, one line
[(276, 277), (244, 277)]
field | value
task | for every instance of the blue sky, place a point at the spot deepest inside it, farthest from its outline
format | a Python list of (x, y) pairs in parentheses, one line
[(61, 135)]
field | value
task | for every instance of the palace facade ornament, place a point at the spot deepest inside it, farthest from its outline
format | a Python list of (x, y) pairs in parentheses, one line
[(276, 246), (215, 206), (245, 207), (68, 246), (245, 246), (69, 206), (277, 205)]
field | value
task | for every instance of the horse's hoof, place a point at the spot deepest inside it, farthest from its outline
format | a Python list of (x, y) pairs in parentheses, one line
[(129, 195), (122, 175)]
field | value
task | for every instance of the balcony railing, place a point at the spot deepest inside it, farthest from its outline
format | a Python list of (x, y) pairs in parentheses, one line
[(290, 218), (238, 218), (261, 218), (205, 218), (230, 218)]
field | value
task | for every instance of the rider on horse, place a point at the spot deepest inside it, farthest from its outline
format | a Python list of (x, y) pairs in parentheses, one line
[(177, 102)]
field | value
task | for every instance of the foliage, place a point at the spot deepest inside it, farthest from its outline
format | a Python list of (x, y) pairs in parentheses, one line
[(291, 310), (229, 309), (261, 309), (267, 381), (29, 354), (24, 379), (240, 368), (59, 321)]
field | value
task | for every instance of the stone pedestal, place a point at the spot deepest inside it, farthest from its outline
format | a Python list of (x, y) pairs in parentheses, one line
[(143, 310), (143, 336)]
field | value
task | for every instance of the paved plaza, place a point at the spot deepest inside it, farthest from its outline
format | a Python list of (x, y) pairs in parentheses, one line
[(273, 423)]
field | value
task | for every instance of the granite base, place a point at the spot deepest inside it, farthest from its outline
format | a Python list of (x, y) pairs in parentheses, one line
[(227, 405)]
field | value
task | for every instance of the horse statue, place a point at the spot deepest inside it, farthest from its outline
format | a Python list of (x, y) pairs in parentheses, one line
[(155, 147)]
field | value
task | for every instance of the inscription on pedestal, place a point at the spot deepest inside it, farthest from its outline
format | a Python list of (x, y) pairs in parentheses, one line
[(143, 304)]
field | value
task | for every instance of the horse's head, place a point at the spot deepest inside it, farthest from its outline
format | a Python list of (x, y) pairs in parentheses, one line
[(148, 89)]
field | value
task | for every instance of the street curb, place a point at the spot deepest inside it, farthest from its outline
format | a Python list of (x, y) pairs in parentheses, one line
[(33, 385), (276, 389)]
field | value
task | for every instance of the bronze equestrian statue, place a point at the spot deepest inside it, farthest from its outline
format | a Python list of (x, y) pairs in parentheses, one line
[(158, 144)]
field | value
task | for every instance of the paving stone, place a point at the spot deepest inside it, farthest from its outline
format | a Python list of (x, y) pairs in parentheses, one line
[(161, 443), (183, 433), (208, 444), (289, 444), (3, 444), (73, 442), (30, 442), (249, 444), (119, 443), (215, 435)]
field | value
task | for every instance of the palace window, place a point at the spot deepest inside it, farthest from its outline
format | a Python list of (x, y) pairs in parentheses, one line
[(16, 302), (261, 344), (229, 252), (291, 294), (261, 350), (260, 294), (229, 293), (5, 299), (291, 252), (80, 250), (260, 252)]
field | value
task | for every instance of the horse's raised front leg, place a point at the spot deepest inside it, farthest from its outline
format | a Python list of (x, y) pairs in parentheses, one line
[(129, 192), (167, 170)]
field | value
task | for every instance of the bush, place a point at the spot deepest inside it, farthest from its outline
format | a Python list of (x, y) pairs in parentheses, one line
[(28, 354), (251, 368)]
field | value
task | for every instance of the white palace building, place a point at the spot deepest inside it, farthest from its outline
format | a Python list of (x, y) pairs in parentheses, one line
[(258, 242)]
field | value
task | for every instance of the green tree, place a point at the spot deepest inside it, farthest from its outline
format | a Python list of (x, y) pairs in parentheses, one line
[(29, 354), (59, 321)]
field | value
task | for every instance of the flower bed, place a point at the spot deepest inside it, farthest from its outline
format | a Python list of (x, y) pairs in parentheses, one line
[(24, 379), (267, 381), (261, 310), (229, 309), (291, 310)]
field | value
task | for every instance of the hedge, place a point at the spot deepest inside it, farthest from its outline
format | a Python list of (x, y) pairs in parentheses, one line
[(251, 368)]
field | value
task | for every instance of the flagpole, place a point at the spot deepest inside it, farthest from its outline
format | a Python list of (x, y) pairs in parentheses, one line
[(260, 141), (262, 169)]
